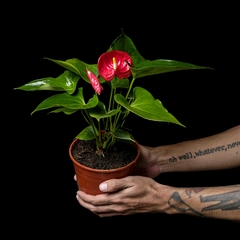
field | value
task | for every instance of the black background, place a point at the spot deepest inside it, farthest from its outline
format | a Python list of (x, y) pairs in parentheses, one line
[(40, 195)]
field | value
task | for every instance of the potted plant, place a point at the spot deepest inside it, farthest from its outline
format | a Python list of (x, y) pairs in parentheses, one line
[(112, 97)]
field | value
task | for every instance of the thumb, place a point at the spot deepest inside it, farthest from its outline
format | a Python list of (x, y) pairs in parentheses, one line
[(113, 185)]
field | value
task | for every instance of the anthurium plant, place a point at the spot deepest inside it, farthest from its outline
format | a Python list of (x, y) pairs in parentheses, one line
[(115, 73)]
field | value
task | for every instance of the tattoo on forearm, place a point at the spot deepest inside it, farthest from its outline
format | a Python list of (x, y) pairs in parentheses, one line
[(189, 191), (176, 199), (199, 153), (226, 201)]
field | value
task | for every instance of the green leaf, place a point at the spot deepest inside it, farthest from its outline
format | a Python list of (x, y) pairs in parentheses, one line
[(65, 82), (86, 134), (145, 106), (77, 66), (64, 100), (124, 43), (146, 67), (120, 83), (123, 135), (102, 80), (67, 111), (142, 67), (100, 111)]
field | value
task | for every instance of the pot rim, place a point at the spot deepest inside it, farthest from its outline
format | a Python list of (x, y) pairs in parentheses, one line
[(101, 170)]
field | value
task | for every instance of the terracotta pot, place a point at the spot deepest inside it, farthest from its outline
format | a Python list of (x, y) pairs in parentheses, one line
[(88, 179)]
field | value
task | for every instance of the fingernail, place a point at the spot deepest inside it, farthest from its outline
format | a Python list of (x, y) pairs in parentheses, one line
[(103, 186)]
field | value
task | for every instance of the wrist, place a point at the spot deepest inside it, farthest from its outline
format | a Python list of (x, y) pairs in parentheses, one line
[(171, 199), (160, 156)]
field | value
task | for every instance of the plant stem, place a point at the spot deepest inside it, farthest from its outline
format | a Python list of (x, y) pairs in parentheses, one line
[(111, 104), (126, 114), (90, 121), (130, 88)]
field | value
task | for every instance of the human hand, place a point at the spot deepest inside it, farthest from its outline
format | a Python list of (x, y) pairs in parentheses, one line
[(129, 195), (147, 164)]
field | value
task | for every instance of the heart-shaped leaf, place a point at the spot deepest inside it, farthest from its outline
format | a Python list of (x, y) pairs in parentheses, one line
[(65, 100), (124, 43), (67, 111), (77, 66), (119, 83), (100, 111), (145, 106), (86, 134), (146, 67), (123, 135), (65, 82)]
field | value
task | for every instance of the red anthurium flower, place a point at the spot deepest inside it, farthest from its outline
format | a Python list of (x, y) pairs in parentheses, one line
[(114, 63), (95, 82)]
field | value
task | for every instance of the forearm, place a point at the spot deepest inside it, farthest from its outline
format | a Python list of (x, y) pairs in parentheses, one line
[(221, 151), (212, 202)]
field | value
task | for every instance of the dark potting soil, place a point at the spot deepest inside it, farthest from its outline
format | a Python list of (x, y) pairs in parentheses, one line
[(119, 155)]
